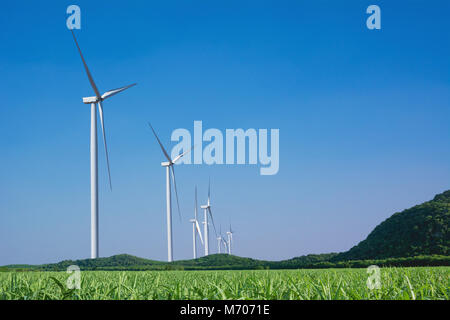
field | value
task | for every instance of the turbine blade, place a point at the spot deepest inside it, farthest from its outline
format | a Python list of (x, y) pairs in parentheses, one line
[(198, 230), (113, 92), (212, 220), (176, 192), (181, 155), (91, 80), (102, 121), (160, 144)]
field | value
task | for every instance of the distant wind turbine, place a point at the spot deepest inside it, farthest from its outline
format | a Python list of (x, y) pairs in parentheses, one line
[(230, 239), (97, 99), (169, 167), (207, 208), (195, 227), (219, 240), (225, 244)]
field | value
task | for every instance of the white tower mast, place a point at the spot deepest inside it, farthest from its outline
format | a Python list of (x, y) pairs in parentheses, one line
[(195, 228), (207, 210)]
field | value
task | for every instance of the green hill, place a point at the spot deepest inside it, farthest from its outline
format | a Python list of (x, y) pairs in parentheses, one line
[(420, 230), (210, 262), (227, 262), (308, 261), (418, 236), (221, 261), (120, 261)]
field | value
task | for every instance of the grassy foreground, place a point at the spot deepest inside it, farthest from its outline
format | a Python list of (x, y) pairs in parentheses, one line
[(396, 283)]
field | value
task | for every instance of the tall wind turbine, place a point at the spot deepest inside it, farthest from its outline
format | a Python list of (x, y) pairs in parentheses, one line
[(207, 210), (195, 227), (230, 239), (97, 99), (169, 167)]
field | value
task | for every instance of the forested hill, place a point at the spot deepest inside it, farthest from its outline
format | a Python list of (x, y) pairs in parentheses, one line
[(420, 230), (418, 236)]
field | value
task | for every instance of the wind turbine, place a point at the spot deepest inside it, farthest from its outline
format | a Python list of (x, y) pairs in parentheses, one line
[(230, 239), (207, 208), (219, 240), (195, 227), (225, 244), (97, 99), (169, 167)]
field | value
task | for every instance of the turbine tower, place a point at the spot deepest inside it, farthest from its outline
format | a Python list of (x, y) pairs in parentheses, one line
[(207, 210), (230, 239), (169, 167), (219, 240), (195, 227), (225, 244), (97, 99)]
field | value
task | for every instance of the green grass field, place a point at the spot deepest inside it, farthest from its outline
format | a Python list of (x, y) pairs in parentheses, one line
[(396, 283)]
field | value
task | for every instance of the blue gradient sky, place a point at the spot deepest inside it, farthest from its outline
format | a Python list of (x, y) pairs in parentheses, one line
[(363, 118)]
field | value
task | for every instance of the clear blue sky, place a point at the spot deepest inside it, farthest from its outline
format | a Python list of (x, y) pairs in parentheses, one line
[(363, 118)]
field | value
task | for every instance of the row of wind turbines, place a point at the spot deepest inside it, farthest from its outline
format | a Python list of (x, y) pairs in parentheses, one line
[(170, 173), (96, 101)]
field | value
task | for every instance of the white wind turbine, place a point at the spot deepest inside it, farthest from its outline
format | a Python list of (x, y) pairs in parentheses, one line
[(230, 239), (207, 208), (97, 99), (169, 166), (195, 227), (219, 240), (225, 244)]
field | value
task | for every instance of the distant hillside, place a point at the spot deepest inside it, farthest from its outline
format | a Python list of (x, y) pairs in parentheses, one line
[(226, 262), (120, 261), (418, 236), (221, 261), (420, 230), (129, 262), (307, 261)]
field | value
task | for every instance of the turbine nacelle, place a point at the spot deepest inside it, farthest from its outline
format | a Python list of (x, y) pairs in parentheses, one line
[(106, 95), (89, 100)]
